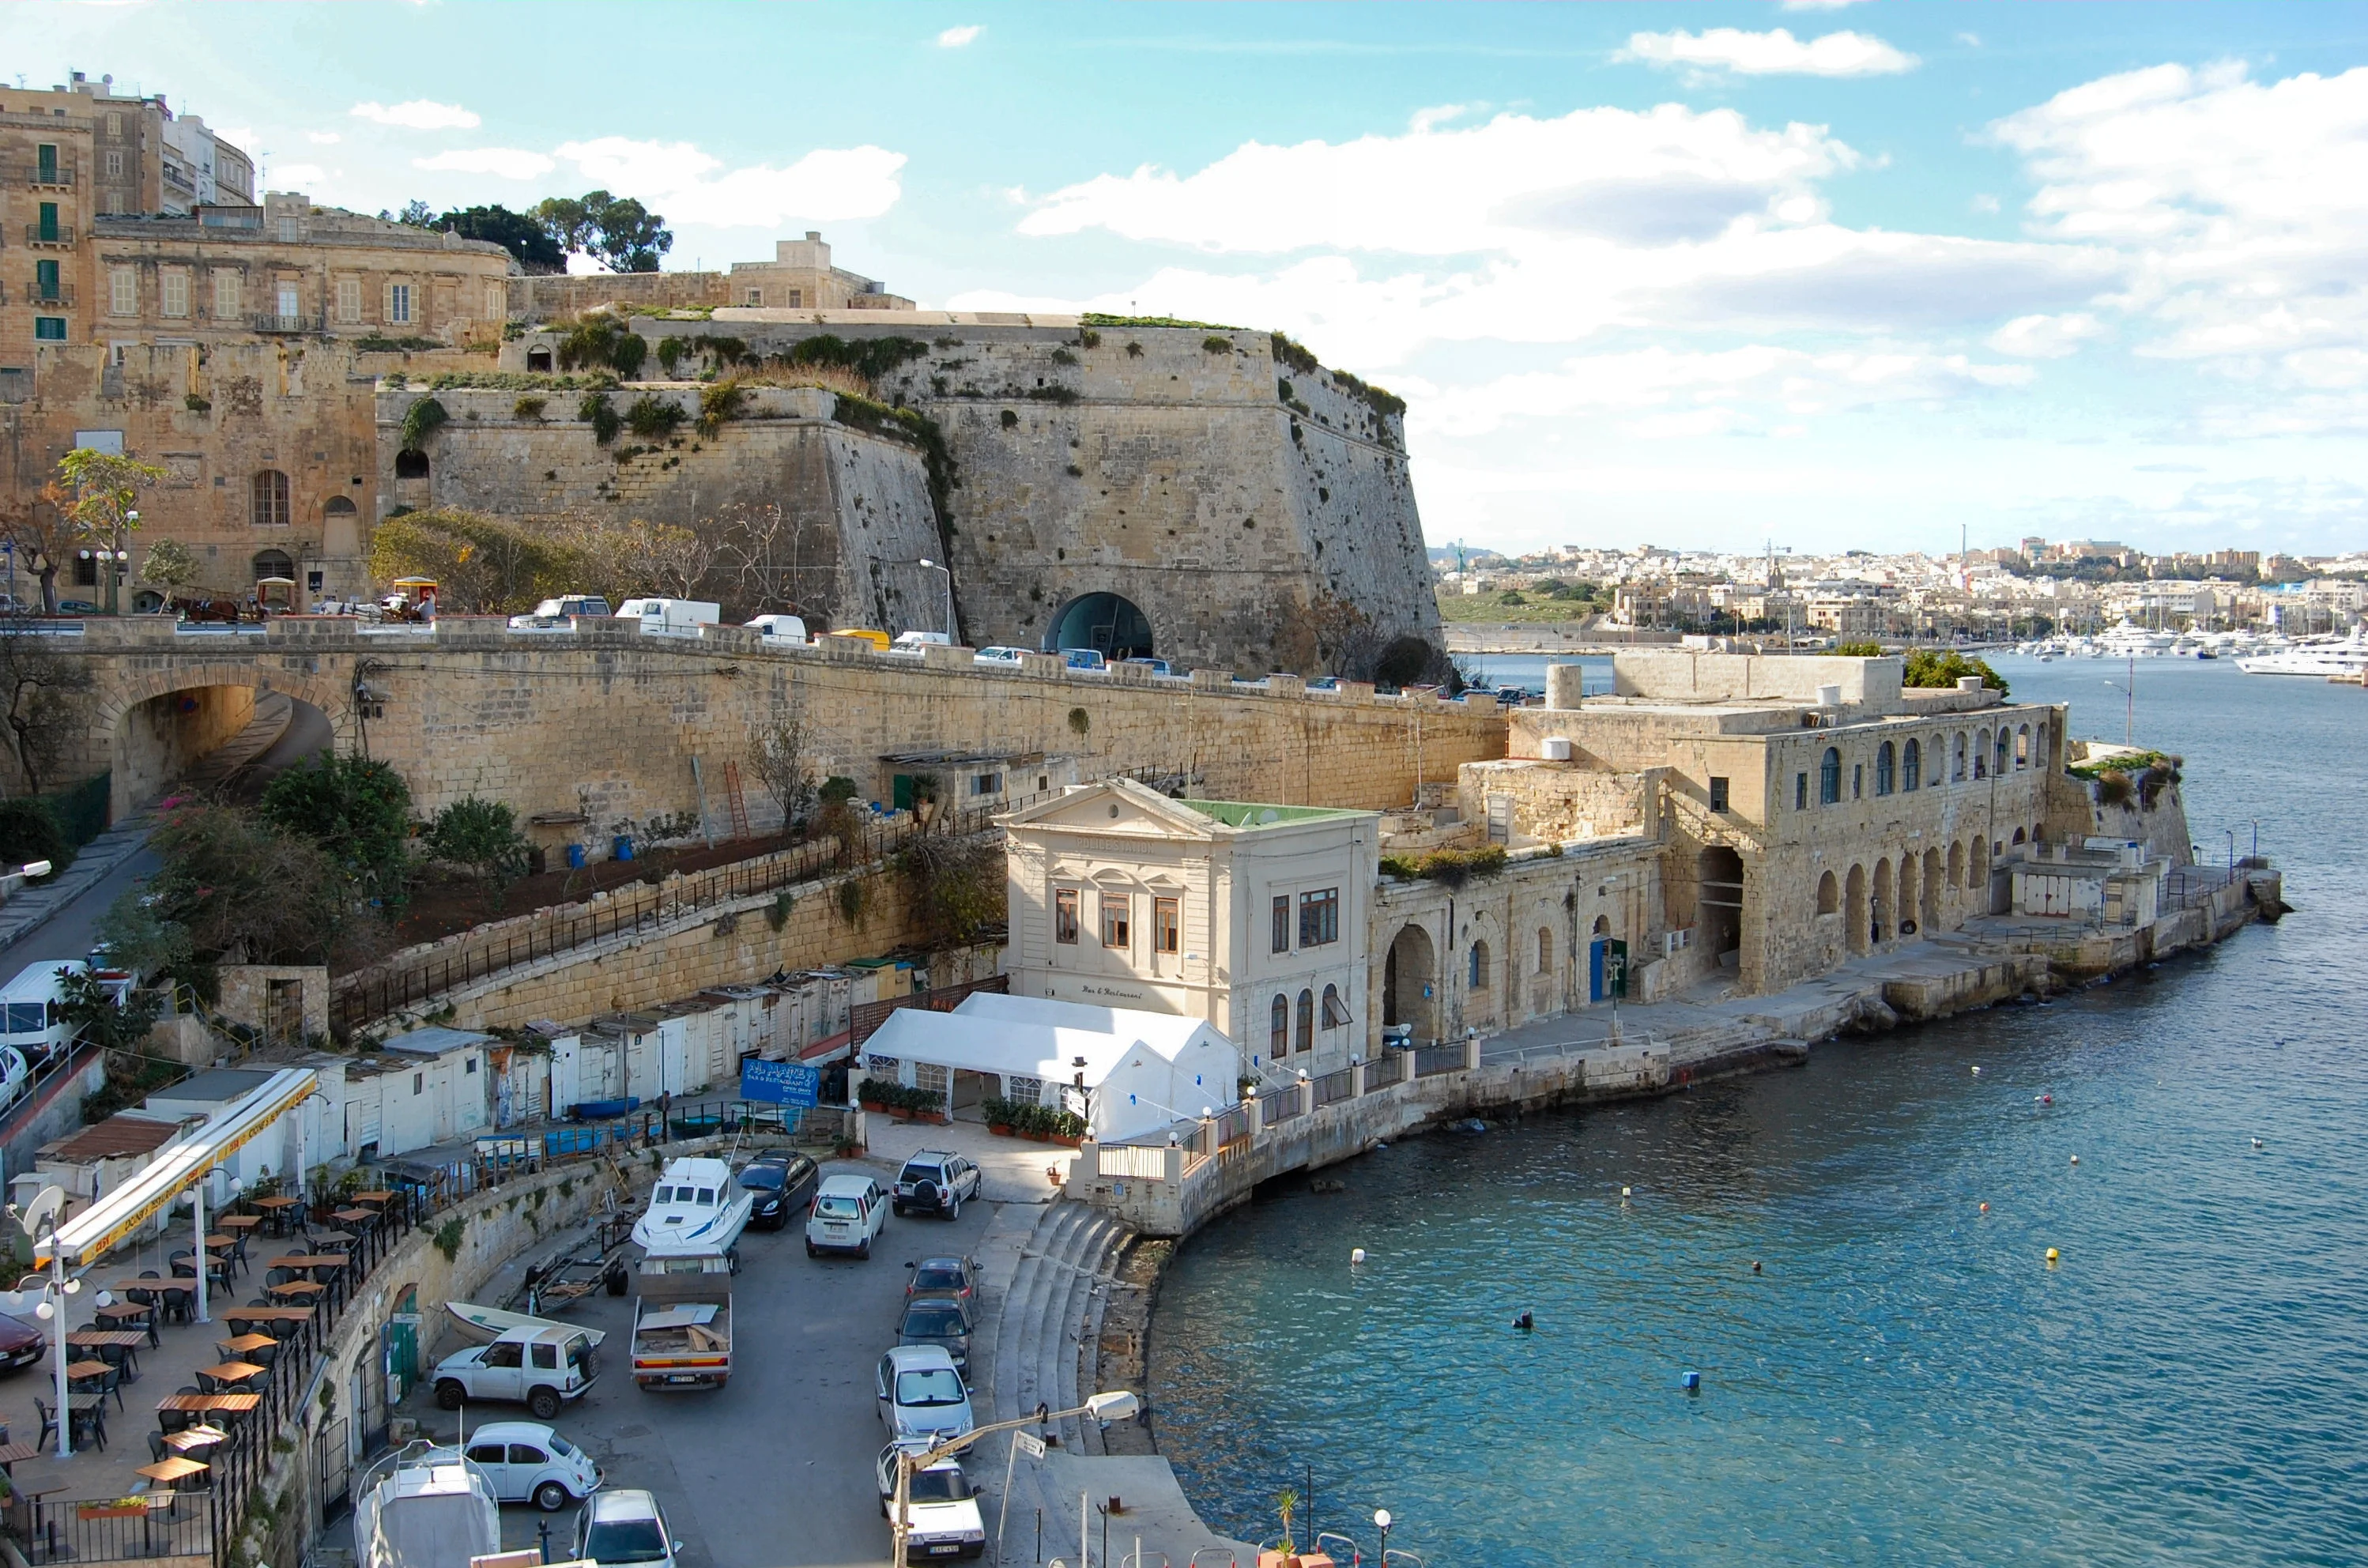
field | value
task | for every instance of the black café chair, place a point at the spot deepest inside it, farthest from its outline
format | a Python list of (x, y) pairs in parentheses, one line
[(171, 1421), (119, 1358), (176, 1303), (49, 1422), (157, 1452), (208, 1382), (264, 1356), (90, 1425)]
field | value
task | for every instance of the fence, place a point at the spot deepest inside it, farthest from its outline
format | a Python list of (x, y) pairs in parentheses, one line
[(1333, 1087), (1387, 1069), (1231, 1126), (1430, 1061), (134, 1528), (1144, 1161), (1278, 1105), (403, 982)]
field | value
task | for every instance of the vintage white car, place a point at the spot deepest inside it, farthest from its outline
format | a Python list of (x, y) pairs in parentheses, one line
[(940, 1510), (531, 1463)]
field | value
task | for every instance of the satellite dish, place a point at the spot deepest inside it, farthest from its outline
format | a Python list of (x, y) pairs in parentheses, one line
[(43, 1208)]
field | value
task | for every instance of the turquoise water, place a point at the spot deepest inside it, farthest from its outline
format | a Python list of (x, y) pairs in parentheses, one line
[(1906, 1381)]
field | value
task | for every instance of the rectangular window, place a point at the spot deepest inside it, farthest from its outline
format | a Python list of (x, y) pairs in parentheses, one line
[(986, 784), (226, 295), (755, 298), (114, 164), (1319, 917), (1281, 943), (497, 302), (1858, 779), (290, 302), (173, 293), (1166, 926), (47, 283), (398, 303), (85, 570), (1064, 915), (1800, 791), (349, 299), (1117, 930), (50, 329), (122, 292), (1718, 794), (288, 231), (115, 125), (797, 298)]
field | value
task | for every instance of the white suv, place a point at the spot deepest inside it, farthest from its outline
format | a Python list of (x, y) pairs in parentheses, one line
[(849, 1211), (934, 1182)]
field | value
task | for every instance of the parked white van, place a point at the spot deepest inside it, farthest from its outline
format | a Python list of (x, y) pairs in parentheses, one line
[(849, 1211), (33, 1028), (678, 617), (781, 629), (911, 643)]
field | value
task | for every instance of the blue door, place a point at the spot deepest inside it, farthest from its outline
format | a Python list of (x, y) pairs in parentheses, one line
[(1596, 951)]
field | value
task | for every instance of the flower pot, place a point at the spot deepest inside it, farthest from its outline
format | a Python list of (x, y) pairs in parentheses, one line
[(1034, 1135), (873, 1105), (1000, 1128), (1064, 1140), (902, 1112)]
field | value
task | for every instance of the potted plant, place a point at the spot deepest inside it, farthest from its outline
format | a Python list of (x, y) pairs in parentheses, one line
[(1066, 1127), (998, 1112), (877, 1094)]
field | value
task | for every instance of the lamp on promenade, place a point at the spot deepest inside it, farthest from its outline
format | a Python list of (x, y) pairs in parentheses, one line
[(1381, 1518), (933, 566), (1117, 1405)]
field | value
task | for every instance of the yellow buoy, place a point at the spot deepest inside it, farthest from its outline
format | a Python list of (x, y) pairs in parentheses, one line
[(2051, 1255)]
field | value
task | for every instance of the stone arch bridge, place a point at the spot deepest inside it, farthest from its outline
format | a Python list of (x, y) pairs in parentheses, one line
[(604, 730)]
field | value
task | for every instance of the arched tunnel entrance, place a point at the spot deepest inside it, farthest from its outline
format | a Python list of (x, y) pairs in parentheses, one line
[(1106, 623), (226, 739), (1409, 983)]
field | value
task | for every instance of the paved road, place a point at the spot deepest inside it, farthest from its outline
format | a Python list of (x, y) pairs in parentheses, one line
[(775, 1469)]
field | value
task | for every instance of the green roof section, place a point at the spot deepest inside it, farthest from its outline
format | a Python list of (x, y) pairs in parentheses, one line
[(1254, 813)]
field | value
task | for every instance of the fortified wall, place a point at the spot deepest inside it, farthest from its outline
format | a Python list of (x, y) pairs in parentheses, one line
[(1255, 514), (855, 506), (613, 731)]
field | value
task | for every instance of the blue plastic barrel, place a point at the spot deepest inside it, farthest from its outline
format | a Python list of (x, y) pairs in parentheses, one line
[(623, 847), (576, 856)]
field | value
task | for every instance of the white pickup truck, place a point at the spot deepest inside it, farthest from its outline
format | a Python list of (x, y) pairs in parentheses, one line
[(682, 1323)]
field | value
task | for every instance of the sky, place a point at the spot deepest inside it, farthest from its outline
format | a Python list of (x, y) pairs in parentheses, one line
[(1796, 273)]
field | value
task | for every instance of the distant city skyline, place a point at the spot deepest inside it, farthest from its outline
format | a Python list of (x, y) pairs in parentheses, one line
[(1825, 272)]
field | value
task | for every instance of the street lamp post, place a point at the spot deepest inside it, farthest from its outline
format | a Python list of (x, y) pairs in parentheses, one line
[(52, 1308), (1117, 1405), (1381, 1518), (933, 566)]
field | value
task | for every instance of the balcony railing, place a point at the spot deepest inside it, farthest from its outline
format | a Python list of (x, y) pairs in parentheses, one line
[(40, 293), (44, 175), (59, 235), (283, 324)]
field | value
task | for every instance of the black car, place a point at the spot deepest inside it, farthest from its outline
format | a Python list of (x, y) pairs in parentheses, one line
[(782, 1182), (939, 1319)]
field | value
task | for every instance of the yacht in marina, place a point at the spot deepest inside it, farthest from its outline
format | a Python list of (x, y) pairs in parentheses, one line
[(2347, 659)]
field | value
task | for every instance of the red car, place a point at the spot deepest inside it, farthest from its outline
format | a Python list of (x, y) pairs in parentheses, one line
[(21, 1345)]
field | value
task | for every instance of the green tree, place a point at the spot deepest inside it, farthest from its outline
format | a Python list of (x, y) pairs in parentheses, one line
[(356, 810), (416, 214), (617, 231), (100, 494), (29, 832), (88, 1006), (44, 701), (1934, 668), (517, 232), (168, 564), (153, 948), (245, 890), (1859, 651), (486, 565), (483, 836)]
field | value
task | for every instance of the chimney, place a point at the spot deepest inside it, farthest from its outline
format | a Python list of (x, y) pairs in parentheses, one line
[(813, 236), (1829, 697)]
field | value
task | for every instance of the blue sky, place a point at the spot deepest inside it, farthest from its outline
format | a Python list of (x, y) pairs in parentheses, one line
[(1851, 275)]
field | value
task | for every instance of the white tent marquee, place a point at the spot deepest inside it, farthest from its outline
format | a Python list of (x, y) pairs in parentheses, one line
[(1142, 1070)]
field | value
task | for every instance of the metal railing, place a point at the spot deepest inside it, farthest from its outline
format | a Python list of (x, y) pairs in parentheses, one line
[(60, 175), (40, 293), (1430, 1061), (49, 234), (136, 1526), (1278, 1105), (1230, 1125), (1386, 1069), (1334, 1087), (283, 324), (1142, 1161)]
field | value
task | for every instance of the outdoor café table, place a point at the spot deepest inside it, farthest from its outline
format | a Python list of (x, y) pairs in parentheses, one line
[(77, 1371), (238, 1221), (93, 1406), (328, 1239), (276, 1210), (354, 1216), (218, 1239), (294, 1289), (267, 1314), (377, 1196), (330, 1264), (164, 1473), (234, 1371), (13, 1454), (233, 1350), (203, 1403), (133, 1313), (126, 1340)]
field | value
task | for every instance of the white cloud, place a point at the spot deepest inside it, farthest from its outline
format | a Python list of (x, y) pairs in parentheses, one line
[(693, 186), (1437, 115), (322, 138), (507, 163), (1971, 40), (419, 113), (1985, 204), (296, 177), (2047, 338), (960, 38), (1772, 54), (2243, 209)]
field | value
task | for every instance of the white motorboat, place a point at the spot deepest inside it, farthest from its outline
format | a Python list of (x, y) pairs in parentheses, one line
[(482, 1326), (425, 1508), (696, 1211), (2321, 660)]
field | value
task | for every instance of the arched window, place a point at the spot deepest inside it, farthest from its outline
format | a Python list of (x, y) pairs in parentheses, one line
[(1307, 1020), (1982, 754), (1911, 766), (538, 360), (2022, 746), (1957, 771), (1278, 1032), (338, 507), (1829, 894), (1885, 761), (1546, 950), (267, 505), (411, 463), (1602, 925), (2005, 750), (2018, 835), (1336, 1012), (1829, 778), (1476, 966), (273, 563)]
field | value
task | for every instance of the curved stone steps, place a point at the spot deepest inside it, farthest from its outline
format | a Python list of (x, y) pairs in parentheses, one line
[(1053, 1301)]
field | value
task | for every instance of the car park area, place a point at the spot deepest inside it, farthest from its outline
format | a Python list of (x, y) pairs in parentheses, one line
[(777, 1466)]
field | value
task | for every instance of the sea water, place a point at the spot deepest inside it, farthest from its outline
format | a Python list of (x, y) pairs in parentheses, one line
[(1906, 1379)]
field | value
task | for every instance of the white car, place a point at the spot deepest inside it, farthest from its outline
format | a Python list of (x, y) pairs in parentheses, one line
[(542, 1366), (1009, 657), (848, 1212), (530, 1463), (624, 1526), (781, 629), (922, 1395), (940, 1510), (913, 644)]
